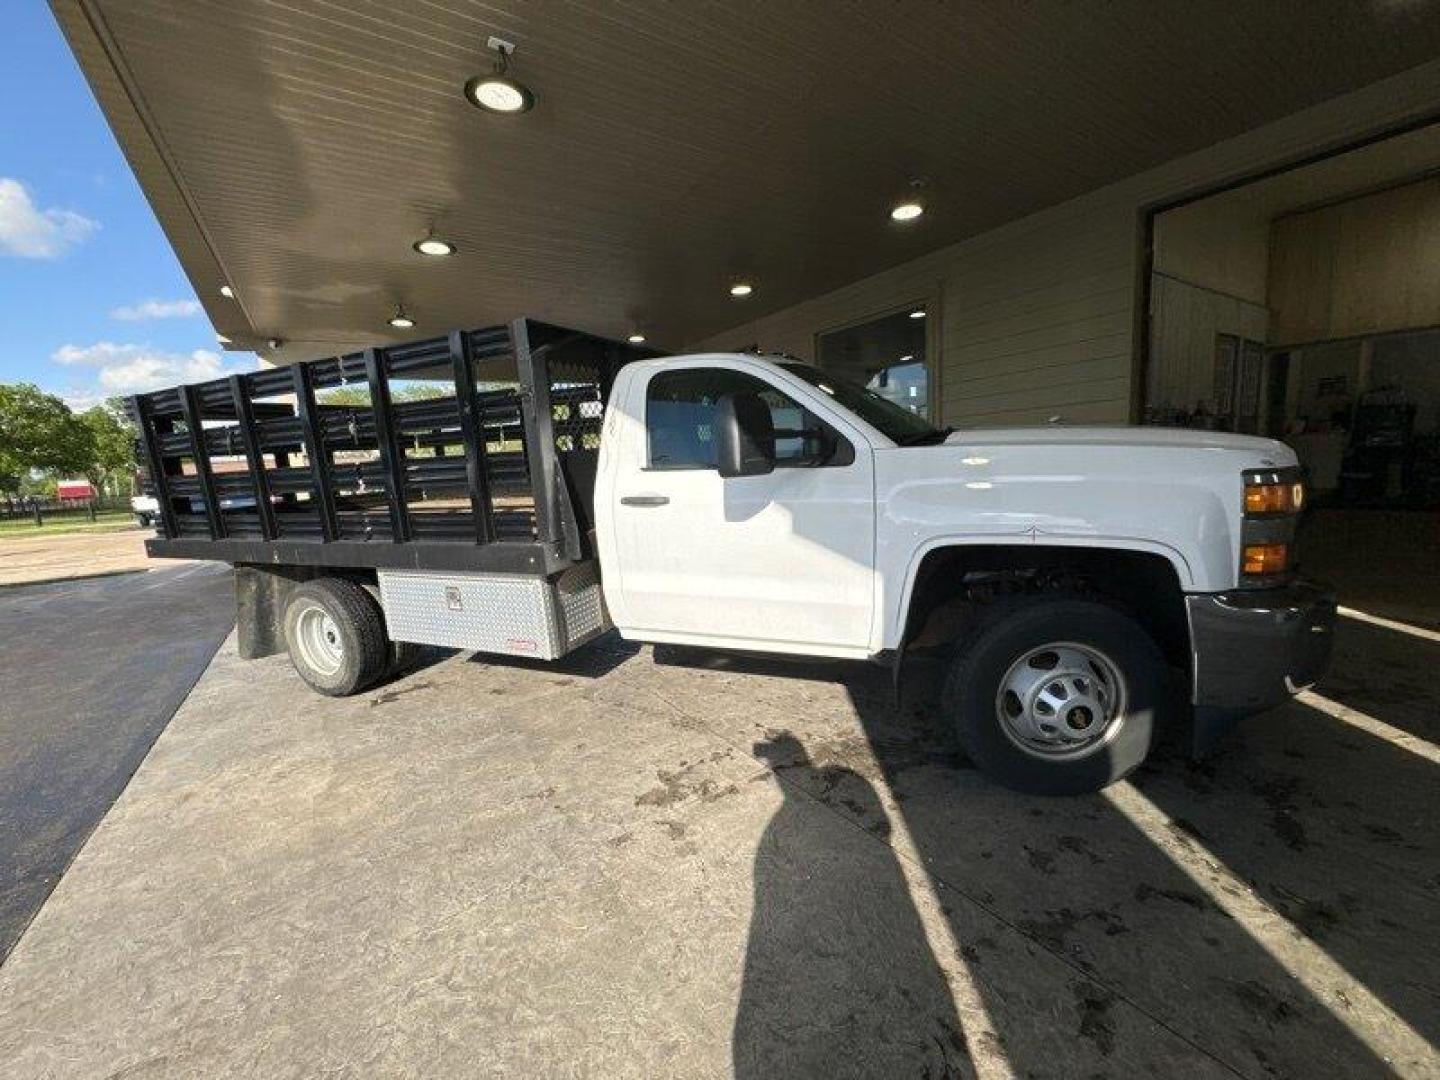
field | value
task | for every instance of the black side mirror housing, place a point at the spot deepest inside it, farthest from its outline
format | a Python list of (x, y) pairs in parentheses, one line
[(744, 436)]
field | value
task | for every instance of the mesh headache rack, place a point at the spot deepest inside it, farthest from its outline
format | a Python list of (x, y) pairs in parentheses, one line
[(471, 451)]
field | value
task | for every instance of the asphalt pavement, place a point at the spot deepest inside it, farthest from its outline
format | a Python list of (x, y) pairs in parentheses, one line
[(90, 673)]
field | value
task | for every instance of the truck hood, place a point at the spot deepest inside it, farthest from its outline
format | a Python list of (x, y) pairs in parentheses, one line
[(1169, 491), (1158, 437)]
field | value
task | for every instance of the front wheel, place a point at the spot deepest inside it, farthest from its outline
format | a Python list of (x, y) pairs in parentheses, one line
[(1056, 695)]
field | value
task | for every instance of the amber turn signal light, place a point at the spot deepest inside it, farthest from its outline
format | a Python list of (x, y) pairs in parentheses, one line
[(1260, 559), (1274, 498)]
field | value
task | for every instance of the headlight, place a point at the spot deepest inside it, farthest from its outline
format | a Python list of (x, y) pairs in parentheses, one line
[(1276, 497), (1273, 500)]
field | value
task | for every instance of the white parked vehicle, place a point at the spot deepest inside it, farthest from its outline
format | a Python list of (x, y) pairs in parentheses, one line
[(146, 509), (732, 501)]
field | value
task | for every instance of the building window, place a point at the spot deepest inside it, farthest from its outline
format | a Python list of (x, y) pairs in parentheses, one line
[(887, 355)]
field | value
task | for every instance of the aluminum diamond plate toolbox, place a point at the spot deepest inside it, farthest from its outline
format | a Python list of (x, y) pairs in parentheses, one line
[(513, 614)]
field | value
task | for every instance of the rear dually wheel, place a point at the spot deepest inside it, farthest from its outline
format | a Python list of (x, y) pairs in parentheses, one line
[(335, 633)]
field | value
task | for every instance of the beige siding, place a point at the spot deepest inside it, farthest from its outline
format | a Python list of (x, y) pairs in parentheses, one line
[(1037, 318), (1361, 267), (1222, 244), (1185, 320)]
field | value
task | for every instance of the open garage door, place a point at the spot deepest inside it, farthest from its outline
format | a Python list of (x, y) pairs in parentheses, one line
[(1306, 306)]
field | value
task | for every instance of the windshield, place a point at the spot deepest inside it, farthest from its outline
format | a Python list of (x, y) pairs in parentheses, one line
[(895, 421)]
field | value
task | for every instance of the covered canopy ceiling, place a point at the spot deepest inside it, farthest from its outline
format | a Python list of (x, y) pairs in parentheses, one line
[(296, 150)]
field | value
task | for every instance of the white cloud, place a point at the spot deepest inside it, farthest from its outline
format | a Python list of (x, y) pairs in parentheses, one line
[(32, 233), (82, 400), (136, 369), (156, 309)]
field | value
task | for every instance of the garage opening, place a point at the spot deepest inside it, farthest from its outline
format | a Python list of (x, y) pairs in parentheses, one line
[(1306, 307)]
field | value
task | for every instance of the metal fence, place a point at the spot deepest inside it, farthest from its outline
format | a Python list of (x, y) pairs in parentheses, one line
[(39, 511)]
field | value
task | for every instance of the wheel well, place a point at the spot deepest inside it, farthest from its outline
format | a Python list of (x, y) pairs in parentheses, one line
[(263, 590), (953, 582)]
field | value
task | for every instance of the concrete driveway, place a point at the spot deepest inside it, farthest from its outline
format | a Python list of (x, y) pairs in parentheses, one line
[(32, 559), (625, 866), (90, 671)]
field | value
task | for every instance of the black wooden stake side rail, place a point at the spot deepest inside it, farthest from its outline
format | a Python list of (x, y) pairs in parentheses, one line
[(190, 410), (245, 416), (392, 460), (555, 523), (539, 425), (472, 431), (322, 494), (145, 422)]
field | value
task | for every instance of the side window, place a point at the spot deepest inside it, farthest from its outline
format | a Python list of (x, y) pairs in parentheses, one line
[(680, 407)]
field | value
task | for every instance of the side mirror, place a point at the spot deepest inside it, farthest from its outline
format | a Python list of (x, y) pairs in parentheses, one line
[(744, 436)]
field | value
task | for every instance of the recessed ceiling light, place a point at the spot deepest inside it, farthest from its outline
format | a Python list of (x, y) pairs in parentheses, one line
[(918, 313), (497, 92), (741, 288), (636, 339), (907, 358), (906, 211), (400, 320), (227, 292), (433, 245)]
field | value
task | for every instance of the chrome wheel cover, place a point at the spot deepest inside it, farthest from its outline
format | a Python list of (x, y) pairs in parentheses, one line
[(1061, 700)]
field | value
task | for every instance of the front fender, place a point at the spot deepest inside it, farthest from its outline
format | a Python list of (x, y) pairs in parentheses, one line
[(897, 607)]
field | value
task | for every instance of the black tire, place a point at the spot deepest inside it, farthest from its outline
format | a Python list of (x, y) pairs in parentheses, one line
[(359, 650), (1009, 631)]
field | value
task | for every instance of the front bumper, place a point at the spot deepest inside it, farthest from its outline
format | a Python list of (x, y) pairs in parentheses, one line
[(1254, 648)]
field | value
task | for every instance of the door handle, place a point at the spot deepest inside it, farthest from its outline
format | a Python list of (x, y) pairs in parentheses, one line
[(643, 500)]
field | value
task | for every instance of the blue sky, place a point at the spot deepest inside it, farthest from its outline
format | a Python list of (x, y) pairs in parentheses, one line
[(92, 300)]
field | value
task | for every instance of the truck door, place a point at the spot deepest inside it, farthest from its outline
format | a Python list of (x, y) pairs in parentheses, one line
[(782, 562)]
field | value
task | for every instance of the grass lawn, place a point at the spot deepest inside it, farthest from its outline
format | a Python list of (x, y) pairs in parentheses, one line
[(105, 521)]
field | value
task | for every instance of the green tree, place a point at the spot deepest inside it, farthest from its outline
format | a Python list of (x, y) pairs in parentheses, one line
[(112, 446), (359, 396), (349, 396), (38, 432)]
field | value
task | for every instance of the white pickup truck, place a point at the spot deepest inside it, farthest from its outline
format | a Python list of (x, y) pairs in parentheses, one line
[(1074, 577)]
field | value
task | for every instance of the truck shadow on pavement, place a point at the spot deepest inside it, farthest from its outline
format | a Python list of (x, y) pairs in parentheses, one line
[(1257, 913), (593, 660)]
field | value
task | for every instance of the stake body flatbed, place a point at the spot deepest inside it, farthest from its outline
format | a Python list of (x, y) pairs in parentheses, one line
[(491, 470)]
